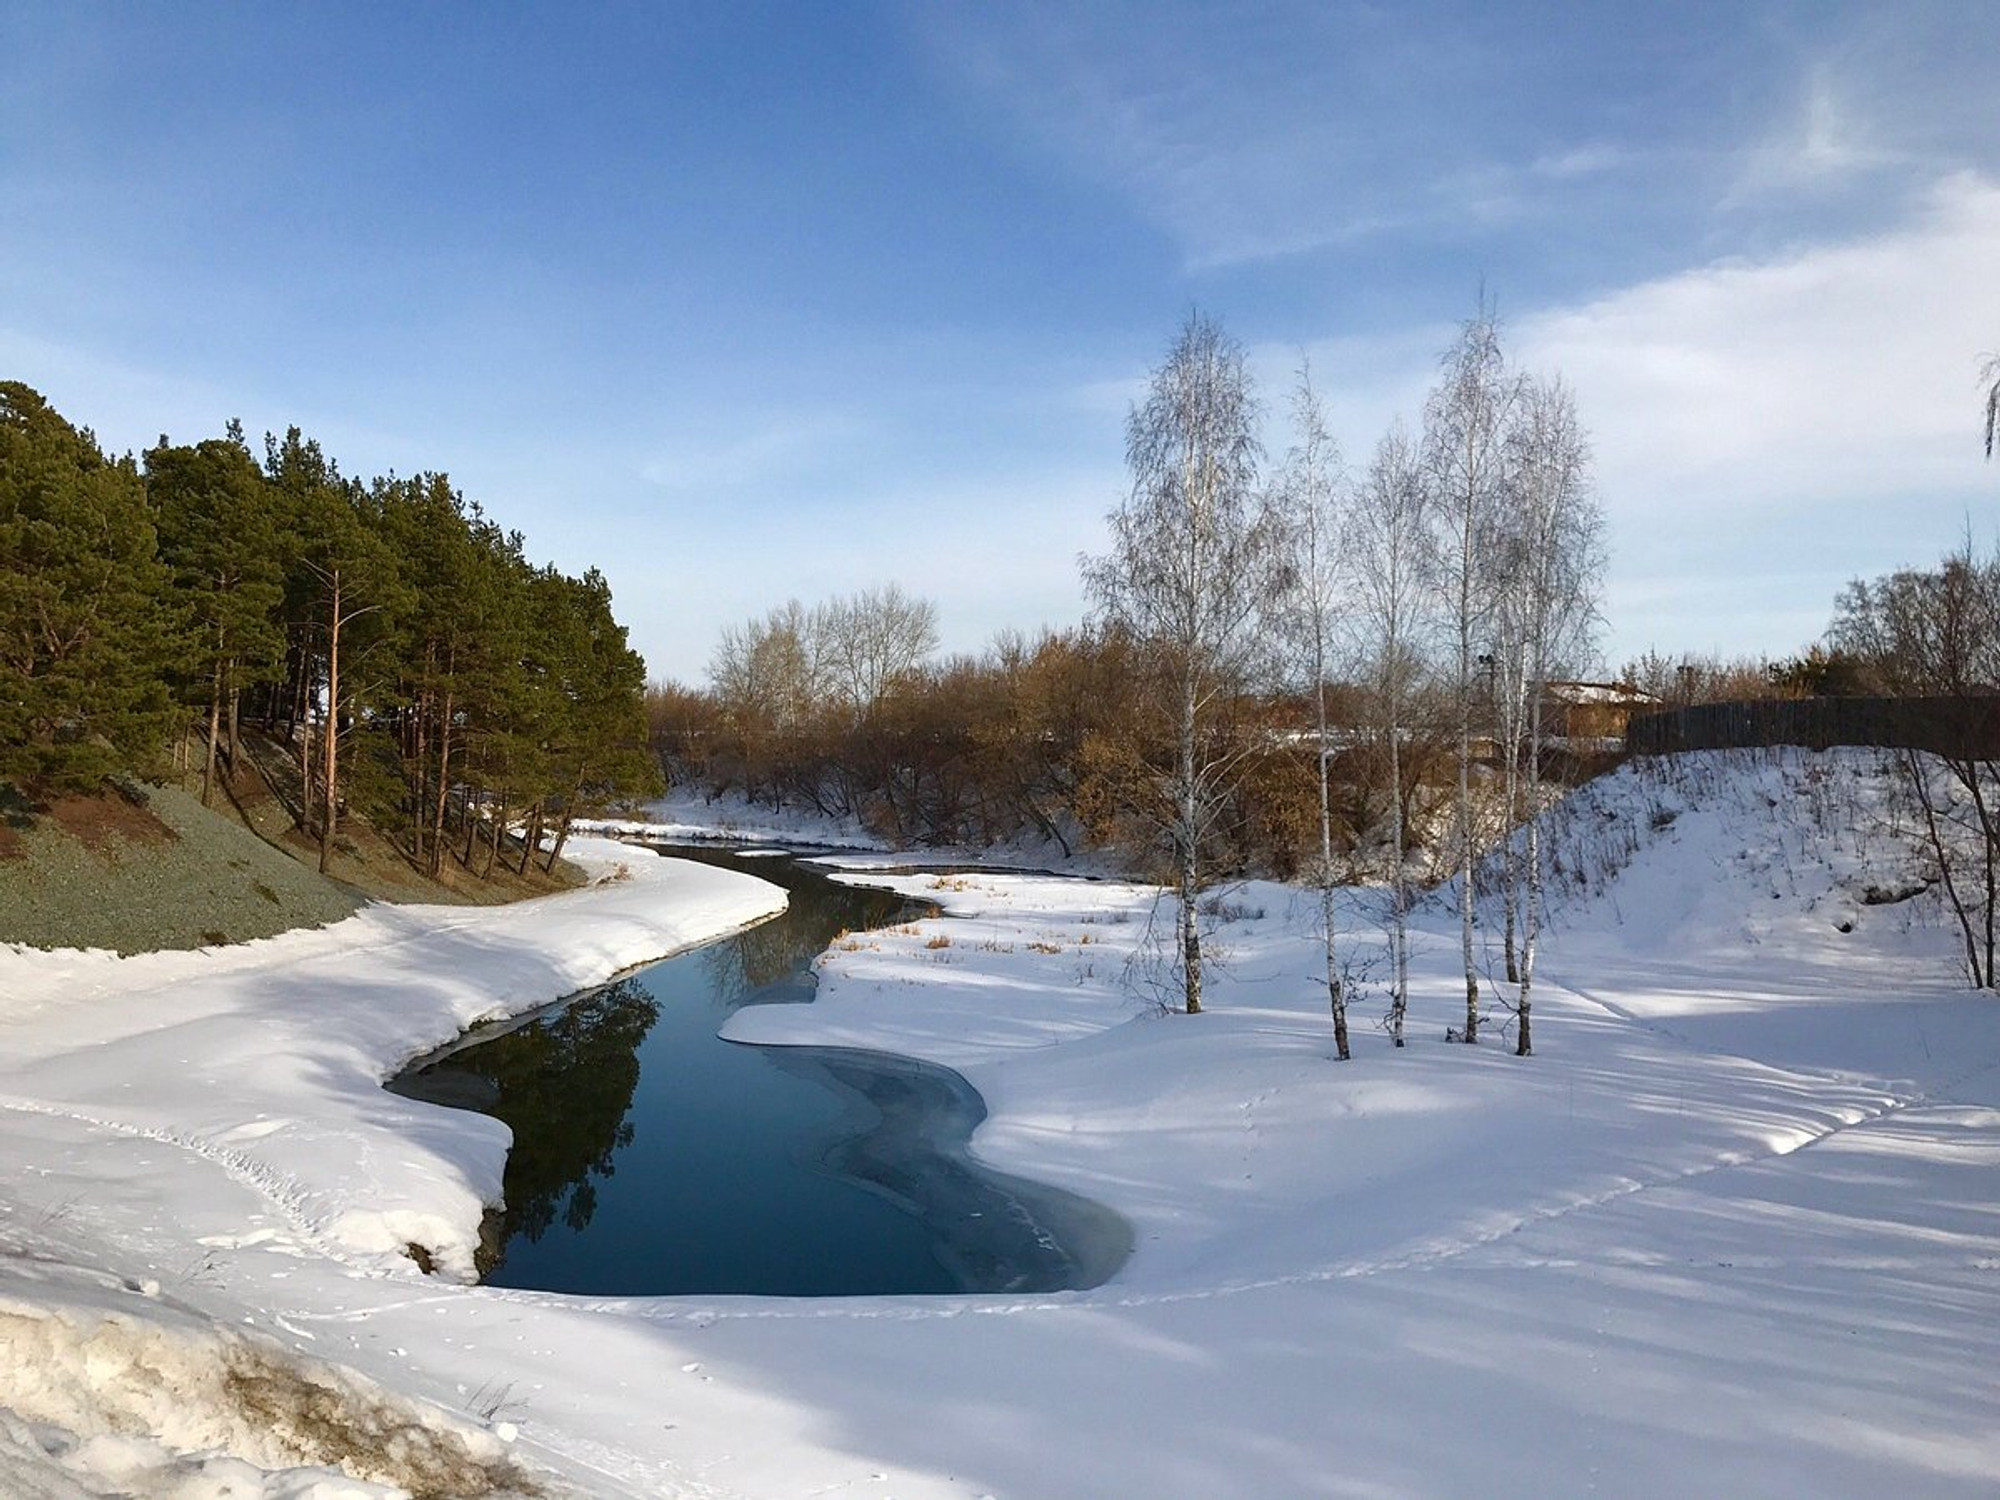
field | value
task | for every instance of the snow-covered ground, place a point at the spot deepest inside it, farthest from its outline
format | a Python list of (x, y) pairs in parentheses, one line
[(687, 815), (1732, 1231)]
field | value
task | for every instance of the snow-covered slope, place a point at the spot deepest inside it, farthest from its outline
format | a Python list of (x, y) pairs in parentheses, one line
[(179, 1116), (1729, 1232)]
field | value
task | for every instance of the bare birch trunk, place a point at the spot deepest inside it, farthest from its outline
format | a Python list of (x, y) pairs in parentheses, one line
[(1466, 895), (1399, 895), (1190, 929), (1509, 736), (1335, 995), (1531, 838), (331, 733)]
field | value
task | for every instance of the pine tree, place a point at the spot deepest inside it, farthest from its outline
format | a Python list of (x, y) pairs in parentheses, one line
[(342, 595), (219, 536), (81, 604)]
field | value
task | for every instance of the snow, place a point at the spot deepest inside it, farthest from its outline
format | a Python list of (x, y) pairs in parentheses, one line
[(686, 815), (1730, 1231), (1602, 692)]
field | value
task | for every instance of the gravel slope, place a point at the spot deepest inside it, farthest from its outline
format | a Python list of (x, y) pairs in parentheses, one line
[(165, 874)]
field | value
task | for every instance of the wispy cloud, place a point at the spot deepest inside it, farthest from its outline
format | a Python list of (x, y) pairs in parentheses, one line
[(1825, 141), (1588, 160), (1248, 137), (1255, 136), (1844, 367), (781, 445), (1766, 430)]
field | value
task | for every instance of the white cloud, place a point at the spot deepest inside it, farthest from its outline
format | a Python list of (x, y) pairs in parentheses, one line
[(1826, 141), (1766, 430), (1763, 430), (779, 447), (1843, 372), (1582, 161)]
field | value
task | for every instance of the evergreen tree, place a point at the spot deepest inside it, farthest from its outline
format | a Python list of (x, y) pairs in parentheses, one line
[(219, 536), (427, 531), (81, 604), (343, 593), (599, 750), (391, 632)]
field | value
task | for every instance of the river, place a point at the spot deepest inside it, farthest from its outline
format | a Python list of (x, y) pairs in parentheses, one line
[(651, 1157)]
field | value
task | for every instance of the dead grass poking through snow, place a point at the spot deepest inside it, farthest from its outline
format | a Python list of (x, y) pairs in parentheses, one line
[(217, 1391)]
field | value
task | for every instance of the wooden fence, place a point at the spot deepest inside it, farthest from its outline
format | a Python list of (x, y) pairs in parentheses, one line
[(1967, 728)]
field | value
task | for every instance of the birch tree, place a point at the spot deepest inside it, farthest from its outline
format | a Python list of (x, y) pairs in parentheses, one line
[(1508, 675), (873, 640), (1465, 425), (1312, 498), (1390, 545), (1188, 574), (1924, 632), (772, 670), (1556, 567), (1989, 376)]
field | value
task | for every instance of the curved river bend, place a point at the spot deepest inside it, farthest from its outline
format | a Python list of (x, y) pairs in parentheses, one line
[(651, 1157)]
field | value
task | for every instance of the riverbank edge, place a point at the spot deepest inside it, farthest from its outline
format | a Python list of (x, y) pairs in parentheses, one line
[(1092, 1237)]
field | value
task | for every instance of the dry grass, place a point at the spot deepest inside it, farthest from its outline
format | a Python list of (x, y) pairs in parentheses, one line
[(321, 1424), (104, 823), (210, 1390)]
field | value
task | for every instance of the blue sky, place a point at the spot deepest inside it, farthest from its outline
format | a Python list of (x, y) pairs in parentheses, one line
[(741, 302)]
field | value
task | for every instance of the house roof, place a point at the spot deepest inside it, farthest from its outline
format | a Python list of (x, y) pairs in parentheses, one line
[(1603, 692)]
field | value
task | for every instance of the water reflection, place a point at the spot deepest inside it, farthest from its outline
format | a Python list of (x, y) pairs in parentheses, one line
[(650, 1156), (564, 1084), (771, 964)]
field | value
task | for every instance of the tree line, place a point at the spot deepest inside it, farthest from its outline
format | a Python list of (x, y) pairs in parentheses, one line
[(1288, 667), (391, 638), (1459, 572), (1935, 632)]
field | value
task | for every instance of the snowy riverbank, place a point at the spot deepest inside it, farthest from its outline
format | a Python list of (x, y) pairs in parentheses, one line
[(1613, 1267), (207, 1128)]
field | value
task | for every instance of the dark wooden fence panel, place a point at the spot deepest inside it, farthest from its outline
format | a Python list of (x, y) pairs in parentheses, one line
[(1960, 727)]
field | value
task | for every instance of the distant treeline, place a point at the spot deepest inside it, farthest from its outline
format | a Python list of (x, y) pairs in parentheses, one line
[(1051, 738), (394, 640)]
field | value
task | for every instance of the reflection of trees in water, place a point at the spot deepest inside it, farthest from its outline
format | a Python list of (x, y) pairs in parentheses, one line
[(566, 1086), (819, 909)]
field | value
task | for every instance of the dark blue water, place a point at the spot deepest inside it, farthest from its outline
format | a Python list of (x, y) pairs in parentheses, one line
[(651, 1157)]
